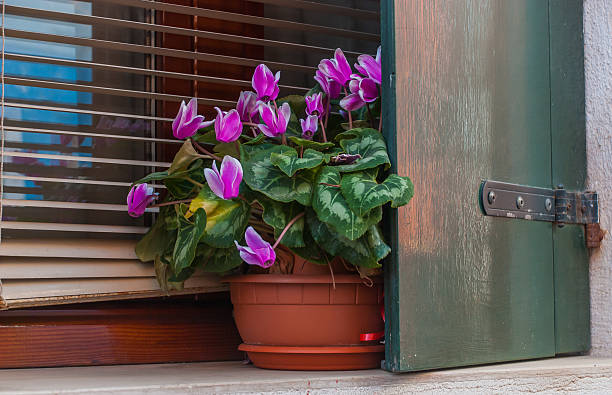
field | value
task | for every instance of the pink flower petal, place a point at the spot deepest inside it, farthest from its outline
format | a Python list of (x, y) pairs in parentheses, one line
[(258, 81), (178, 119), (192, 108), (214, 180), (352, 102), (231, 176), (254, 240), (266, 130), (342, 65), (368, 90), (267, 115)]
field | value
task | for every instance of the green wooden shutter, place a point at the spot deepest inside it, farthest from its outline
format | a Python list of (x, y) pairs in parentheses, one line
[(483, 90)]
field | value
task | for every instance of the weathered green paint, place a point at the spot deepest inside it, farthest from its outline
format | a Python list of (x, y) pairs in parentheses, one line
[(468, 98), (389, 114), (568, 128)]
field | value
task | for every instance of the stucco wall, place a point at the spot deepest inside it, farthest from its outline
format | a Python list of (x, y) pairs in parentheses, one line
[(598, 73)]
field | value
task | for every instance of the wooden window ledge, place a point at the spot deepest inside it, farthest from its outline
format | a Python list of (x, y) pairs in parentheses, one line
[(584, 374)]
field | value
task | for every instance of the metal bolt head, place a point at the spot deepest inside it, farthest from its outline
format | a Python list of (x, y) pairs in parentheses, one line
[(548, 204), (491, 197), (520, 202)]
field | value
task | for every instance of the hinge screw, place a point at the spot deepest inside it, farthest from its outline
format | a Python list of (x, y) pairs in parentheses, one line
[(491, 197), (548, 204), (520, 202)]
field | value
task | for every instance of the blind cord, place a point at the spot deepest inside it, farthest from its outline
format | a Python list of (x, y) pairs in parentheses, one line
[(2, 128)]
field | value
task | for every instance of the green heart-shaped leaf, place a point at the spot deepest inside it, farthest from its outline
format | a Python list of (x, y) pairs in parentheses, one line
[(363, 193), (155, 241), (358, 252), (296, 102), (359, 123), (315, 145), (289, 162), (366, 142), (163, 275), (218, 260), (189, 233), (332, 208), (226, 219), (259, 139), (376, 242), (262, 176), (183, 157), (206, 136), (278, 215), (311, 250)]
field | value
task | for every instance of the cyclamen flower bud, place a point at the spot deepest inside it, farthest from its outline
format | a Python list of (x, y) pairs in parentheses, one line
[(139, 197), (225, 183), (258, 251), (187, 121), (265, 83)]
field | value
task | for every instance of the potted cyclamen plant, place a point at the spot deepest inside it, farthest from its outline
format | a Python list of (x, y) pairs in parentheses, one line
[(285, 196)]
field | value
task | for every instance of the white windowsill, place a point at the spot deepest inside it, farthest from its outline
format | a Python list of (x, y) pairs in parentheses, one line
[(585, 374)]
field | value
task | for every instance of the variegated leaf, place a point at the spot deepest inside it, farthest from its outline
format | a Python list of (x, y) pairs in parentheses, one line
[(289, 161), (358, 252), (262, 176), (331, 206), (366, 142), (226, 219), (363, 193)]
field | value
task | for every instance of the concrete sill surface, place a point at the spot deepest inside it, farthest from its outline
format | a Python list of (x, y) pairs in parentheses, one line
[(582, 374)]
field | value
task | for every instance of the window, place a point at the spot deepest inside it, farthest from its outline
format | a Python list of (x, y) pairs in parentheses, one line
[(90, 88)]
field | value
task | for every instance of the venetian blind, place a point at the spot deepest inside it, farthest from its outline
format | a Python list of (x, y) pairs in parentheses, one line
[(88, 92)]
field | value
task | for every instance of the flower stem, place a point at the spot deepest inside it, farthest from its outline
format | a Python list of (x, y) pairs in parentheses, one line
[(250, 124), (330, 185), (323, 130), (350, 116), (380, 123), (171, 203), (204, 150), (370, 115), (300, 215), (237, 146), (284, 139), (194, 182)]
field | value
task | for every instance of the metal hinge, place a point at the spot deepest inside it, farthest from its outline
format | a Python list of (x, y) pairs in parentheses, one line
[(500, 199)]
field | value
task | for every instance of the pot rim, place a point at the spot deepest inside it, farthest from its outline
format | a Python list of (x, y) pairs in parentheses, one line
[(354, 349), (299, 279)]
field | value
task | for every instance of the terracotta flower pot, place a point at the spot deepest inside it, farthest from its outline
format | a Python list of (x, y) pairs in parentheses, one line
[(300, 322)]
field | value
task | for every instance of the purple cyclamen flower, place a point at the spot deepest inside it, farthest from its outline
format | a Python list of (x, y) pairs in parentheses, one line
[(187, 121), (330, 88), (275, 122), (363, 90), (365, 87), (258, 251), (338, 68), (247, 106), (309, 126), (225, 183), (139, 197), (370, 67), (314, 104), (265, 83), (227, 125)]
